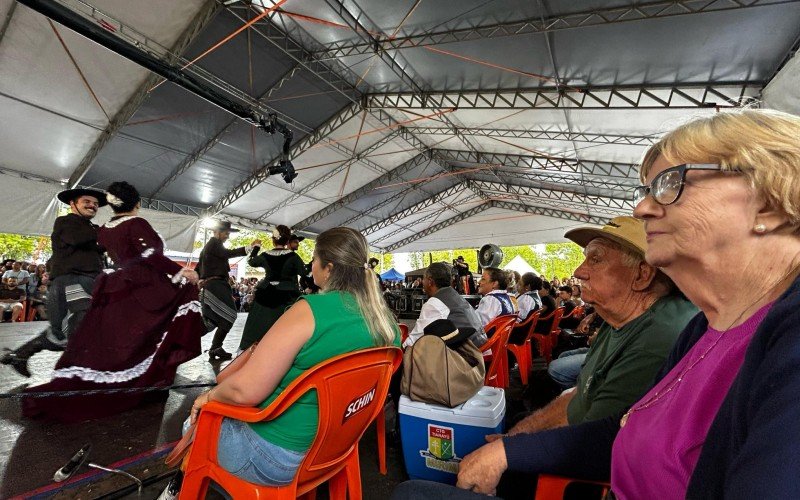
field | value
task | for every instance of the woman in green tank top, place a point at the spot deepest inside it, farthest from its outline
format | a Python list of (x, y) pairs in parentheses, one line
[(348, 315)]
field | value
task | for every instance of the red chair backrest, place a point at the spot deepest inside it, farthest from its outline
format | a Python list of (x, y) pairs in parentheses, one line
[(499, 322), (351, 390), (403, 332), (527, 326), (498, 343)]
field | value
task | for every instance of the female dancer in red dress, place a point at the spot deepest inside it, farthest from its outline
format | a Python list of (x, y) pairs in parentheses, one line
[(144, 321)]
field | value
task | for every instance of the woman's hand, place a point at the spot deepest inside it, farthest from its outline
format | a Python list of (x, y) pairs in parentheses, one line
[(190, 275), (480, 471), (201, 400)]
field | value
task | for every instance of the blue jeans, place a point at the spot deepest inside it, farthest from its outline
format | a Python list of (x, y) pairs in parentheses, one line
[(248, 456), (567, 367)]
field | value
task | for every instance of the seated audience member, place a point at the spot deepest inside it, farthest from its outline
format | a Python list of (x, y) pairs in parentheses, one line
[(34, 279), (512, 278), (528, 299), (39, 302), (577, 295), (348, 315), (548, 306), (11, 298), (642, 322), (445, 303), (495, 301), (22, 276), (722, 419), (565, 369), (565, 299)]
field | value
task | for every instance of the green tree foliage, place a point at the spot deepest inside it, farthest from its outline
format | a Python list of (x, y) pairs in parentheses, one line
[(385, 260), (31, 248), (417, 260), (561, 259)]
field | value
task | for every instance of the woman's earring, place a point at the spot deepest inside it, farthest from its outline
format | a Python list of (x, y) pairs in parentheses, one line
[(760, 228)]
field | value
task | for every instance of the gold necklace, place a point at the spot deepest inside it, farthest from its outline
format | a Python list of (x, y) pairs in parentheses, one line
[(675, 382)]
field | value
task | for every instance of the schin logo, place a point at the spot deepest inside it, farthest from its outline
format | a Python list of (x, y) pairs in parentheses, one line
[(359, 403)]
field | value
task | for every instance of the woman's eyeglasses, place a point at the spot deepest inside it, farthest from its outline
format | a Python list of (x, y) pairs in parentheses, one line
[(667, 186)]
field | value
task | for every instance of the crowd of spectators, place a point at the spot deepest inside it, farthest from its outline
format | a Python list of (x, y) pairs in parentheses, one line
[(23, 294)]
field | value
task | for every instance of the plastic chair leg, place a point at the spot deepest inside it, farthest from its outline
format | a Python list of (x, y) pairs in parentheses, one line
[(194, 486), (353, 472), (310, 495), (337, 486), (380, 427)]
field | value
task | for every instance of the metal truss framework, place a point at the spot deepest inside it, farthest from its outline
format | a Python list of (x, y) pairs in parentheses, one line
[(558, 181), (518, 207), (590, 182), (190, 160), (614, 203), (208, 11), (175, 208), (560, 199), (294, 50), (641, 11), (707, 95), (544, 134), (532, 162), (274, 35), (418, 207), (262, 173), (396, 62), (390, 176), (323, 179)]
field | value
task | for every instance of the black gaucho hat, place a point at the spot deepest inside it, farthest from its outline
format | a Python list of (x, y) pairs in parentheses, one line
[(225, 225), (294, 237), (451, 335), (73, 194)]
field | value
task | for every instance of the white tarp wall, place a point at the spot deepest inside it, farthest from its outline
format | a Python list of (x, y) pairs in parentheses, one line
[(783, 92), (28, 206), (177, 230)]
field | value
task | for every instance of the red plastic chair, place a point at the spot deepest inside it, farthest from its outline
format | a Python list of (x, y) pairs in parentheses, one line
[(380, 420), (547, 341), (25, 308), (333, 455), (497, 373), (403, 332), (522, 352), (553, 487)]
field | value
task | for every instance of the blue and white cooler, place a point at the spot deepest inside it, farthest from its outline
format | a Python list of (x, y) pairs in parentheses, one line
[(436, 438)]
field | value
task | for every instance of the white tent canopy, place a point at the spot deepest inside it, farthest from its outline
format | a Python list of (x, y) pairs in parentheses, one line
[(506, 122), (521, 266)]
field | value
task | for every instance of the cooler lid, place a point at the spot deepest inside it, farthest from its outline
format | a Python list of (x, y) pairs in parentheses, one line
[(486, 409)]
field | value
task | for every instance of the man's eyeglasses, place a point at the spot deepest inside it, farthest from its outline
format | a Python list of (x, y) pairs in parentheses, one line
[(667, 186)]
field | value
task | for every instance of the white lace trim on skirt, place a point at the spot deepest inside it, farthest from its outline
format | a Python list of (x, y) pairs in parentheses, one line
[(113, 377)]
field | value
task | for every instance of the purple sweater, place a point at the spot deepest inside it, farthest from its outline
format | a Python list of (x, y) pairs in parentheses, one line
[(655, 453), (752, 449)]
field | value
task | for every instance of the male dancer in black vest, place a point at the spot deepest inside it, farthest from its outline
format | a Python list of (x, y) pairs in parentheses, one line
[(216, 296), (76, 261)]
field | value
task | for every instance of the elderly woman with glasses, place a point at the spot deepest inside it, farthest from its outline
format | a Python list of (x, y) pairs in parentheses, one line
[(721, 207)]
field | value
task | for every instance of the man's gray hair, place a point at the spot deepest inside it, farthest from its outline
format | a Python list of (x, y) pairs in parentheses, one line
[(440, 273)]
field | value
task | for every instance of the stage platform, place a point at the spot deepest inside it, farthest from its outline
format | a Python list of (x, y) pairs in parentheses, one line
[(31, 450)]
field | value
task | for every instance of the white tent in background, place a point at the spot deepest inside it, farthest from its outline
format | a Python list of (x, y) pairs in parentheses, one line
[(521, 266)]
